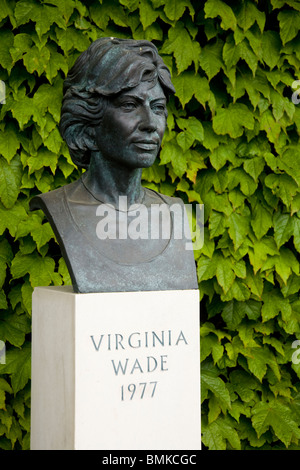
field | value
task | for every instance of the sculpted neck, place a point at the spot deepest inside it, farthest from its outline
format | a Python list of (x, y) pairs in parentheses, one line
[(108, 180)]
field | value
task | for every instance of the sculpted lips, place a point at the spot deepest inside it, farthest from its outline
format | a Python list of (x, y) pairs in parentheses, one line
[(146, 144)]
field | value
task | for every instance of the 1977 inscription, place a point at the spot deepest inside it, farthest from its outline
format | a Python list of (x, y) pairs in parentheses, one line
[(139, 365)]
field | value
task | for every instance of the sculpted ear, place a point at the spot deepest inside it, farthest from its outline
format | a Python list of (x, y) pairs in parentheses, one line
[(89, 138)]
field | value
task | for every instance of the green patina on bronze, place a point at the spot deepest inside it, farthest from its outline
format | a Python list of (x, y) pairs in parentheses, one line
[(113, 120)]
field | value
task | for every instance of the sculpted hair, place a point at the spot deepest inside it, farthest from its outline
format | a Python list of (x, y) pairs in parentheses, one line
[(106, 68)]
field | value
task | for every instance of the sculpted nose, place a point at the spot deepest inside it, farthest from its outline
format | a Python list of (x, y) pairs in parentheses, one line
[(147, 121)]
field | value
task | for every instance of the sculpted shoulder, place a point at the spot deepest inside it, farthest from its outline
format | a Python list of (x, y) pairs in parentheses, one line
[(53, 198), (75, 192)]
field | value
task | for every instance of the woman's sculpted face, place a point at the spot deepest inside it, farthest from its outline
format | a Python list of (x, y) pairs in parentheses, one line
[(105, 73), (133, 125)]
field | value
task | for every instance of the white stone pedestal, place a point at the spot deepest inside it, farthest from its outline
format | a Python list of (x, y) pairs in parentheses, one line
[(115, 371)]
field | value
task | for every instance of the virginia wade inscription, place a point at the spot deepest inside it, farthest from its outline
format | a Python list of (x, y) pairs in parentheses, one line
[(137, 340), (140, 365)]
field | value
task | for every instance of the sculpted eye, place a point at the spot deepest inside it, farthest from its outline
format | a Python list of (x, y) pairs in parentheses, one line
[(128, 105), (159, 108)]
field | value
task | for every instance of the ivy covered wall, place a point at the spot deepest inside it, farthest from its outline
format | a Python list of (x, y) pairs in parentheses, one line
[(231, 144)]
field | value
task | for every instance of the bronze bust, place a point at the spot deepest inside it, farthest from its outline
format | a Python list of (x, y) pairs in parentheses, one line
[(113, 119)]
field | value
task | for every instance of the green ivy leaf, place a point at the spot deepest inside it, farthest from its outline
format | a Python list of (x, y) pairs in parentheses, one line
[(57, 62), (254, 167), (6, 256), (15, 433), (208, 328), (66, 7), (233, 120), (296, 233), (246, 333), (271, 46), (185, 140), (289, 22), (280, 105), (72, 38), (22, 110), (27, 291), (13, 328), (231, 53), (273, 303), (255, 283), (175, 10), (41, 270), (43, 159), (283, 186), (101, 14), (248, 14), (244, 385), (211, 345), (217, 433), (173, 153), (258, 358), (48, 98), (53, 142), (248, 56), (238, 228), (255, 86), (260, 251), (154, 173), (289, 162), (217, 386), (3, 301), (220, 181), (270, 126), (284, 264), (238, 291), (206, 268), (233, 314), (147, 14), (214, 8), (292, 286), (64, 272), (279, 417), (216, 224), (40, 232), (188, 85), (10, 180), (283, 228), (181, 45), (4, 387), (192, 126), (222, 154), (211, 59), (10, 218), (43, 15), (18, 366), (22, 43), (9, 142), (261, 221), (7, 10), (225, 273), (6, 41)]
